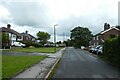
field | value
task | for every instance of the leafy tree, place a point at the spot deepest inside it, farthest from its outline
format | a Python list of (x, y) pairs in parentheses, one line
[(80, 36), (43, 37), (118, 26), (5, 39), (69, 42)]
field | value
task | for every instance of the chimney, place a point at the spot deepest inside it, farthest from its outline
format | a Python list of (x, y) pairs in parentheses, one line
[(106, 26), (8, 26), (26, 32)]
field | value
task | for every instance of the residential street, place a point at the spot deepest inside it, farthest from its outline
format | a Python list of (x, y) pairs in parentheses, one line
[(39, 70), (76, 63)]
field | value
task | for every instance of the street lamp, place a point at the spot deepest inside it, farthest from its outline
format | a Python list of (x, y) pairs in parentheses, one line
[(55, 38)]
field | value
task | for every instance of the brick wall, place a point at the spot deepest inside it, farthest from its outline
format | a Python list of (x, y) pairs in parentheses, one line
[(107, 34)]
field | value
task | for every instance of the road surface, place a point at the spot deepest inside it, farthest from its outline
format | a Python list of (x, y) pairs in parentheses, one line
[(77, 63)]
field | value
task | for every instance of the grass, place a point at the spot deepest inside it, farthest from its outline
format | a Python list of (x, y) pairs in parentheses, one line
[(12, 65), (30, 50)]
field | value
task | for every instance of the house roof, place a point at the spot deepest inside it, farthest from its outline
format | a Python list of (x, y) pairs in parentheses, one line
[(31, 36), (109, 30), (3, 29), (97, 34), (28, 35)]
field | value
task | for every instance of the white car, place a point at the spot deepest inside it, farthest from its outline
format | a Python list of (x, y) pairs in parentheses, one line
[(91, 49), (18, 44), (82, 47), (96, 48), (100, 50)]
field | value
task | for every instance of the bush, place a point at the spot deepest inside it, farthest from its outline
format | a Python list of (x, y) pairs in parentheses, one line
[(37, 45), (111, 50)]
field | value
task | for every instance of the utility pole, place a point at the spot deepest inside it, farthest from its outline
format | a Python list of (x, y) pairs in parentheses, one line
[(63, 37), (55, 38)]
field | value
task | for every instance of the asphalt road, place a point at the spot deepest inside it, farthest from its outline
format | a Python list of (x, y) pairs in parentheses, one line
[(77, 63)]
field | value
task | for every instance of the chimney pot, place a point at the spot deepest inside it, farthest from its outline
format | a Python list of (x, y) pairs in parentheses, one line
[(106, 26), (26, 32), (8, 26)]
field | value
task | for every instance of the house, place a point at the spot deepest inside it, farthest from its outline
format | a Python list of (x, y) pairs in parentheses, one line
[(12, 34), (15, 36), (105, 34), (28, 37)]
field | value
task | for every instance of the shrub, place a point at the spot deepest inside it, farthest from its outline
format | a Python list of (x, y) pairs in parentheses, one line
[(37, 45), (111, 50)]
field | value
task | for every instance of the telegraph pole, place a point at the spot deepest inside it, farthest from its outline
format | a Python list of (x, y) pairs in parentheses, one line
[(63, 37)]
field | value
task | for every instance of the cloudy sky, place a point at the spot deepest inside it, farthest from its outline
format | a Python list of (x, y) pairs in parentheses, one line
[(42, 15)]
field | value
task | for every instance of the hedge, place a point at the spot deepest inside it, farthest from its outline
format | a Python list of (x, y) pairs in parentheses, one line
[(111, 50)]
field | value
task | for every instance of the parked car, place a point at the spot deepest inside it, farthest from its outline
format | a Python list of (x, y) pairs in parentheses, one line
[(82, 47), (53, 45), (91, 49), (50, 45), (100, 50), (47, 45), (96, 49), (18, 44)]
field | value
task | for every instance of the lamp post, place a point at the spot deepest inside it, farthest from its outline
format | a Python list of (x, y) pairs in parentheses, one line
[(55, 38)]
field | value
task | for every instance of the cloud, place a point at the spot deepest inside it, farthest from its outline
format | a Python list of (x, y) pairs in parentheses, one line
[(29, 14), (42, 15)]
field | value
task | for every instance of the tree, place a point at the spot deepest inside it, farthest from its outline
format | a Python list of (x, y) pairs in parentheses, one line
[(5, 39), (43, 37), (81, 36), (118, 26), (69, 42)]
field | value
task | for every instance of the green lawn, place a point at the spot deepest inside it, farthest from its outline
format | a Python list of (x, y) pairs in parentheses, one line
[(11, 65), (42, 49)]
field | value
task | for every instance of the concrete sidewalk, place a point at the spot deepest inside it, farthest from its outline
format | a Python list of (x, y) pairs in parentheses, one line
[(41, 69)]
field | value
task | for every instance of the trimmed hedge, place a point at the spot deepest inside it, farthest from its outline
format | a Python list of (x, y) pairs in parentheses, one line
[(111, 50)]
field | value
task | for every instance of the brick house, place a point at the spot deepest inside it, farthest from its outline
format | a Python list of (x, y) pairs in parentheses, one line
[(105, 34)]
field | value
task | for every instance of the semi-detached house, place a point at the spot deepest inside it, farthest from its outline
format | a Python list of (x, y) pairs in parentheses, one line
[(15, 36), (105, 34)]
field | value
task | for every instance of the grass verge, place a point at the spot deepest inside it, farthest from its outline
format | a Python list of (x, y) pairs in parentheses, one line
[(12, 65), (31, 50)]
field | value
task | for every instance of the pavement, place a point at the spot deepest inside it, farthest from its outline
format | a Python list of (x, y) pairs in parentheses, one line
[(41, 69), (77, 63)]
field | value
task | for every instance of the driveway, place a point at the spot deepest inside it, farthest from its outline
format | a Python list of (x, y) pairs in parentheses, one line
[(77, 63)]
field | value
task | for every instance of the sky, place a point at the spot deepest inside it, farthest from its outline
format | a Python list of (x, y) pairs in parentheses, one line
[(42, 15)]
